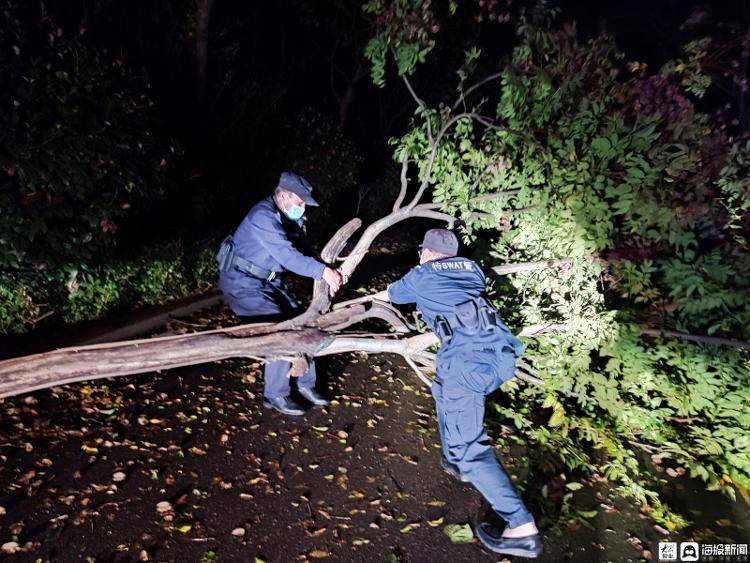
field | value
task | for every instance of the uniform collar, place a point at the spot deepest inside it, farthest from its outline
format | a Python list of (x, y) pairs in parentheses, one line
[(440, 260), (272, 200)]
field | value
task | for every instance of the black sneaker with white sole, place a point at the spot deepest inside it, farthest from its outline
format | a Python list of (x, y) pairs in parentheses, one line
[(530, 547)]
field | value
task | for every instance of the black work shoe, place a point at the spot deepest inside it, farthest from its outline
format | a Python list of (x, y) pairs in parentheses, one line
[(527, 546), (313, 396), (452, 470), (284, 405)]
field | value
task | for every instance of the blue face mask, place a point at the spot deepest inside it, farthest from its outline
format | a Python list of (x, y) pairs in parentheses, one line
[(295, 212)]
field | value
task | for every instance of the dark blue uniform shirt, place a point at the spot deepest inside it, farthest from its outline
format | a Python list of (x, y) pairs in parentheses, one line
[(437, 286), (262, 239)]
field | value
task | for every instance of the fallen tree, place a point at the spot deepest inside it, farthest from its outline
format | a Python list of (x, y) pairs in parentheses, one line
[(315, 332)]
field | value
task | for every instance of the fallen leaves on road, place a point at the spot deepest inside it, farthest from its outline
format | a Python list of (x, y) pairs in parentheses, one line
[(10, 548)]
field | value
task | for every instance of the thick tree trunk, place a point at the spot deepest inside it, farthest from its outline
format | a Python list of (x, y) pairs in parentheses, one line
[(345, 103), (202, 20), (69, 365)]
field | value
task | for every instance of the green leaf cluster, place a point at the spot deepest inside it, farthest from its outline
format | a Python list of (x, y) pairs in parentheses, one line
[(404, 27)]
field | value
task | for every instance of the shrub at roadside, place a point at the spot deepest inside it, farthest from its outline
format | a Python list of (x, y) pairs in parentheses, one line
[(158, 275)]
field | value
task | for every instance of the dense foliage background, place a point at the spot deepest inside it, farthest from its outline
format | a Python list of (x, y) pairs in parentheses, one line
[(611, 157), (611, 171)]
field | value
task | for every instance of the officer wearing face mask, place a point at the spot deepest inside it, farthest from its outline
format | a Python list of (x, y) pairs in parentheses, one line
[(249, 263)]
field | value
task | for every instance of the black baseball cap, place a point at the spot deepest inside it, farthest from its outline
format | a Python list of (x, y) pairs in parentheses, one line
[(291, 182), (442, 241)]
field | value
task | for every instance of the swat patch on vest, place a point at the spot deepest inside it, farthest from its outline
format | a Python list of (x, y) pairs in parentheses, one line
[(462, 265)]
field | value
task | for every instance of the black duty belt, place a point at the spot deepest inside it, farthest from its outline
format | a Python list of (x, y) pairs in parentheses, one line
[(247, 267), (227, 259), (471, 316)]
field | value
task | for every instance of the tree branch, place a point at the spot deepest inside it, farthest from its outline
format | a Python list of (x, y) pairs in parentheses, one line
[(363, 244), (431, 214), (479, 84), (321, 300), (506, 269), (378, 310), (713, 340), (435, 143), (404, 182), (69, 365), (421, 104)]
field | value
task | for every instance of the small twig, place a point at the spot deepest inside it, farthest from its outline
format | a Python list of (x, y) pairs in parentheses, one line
[(715, 340), (682, 420), (533, 330), (398, 485), (420, 101), (44, 316), (422, 377), (186, 323), (486, 197), (114, 503), (468, 91), (647, 447), (421, 104), (43, 143), (479, 177)]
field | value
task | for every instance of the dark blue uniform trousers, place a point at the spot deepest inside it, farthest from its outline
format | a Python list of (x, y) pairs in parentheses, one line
[(264, 301), (466, 373)]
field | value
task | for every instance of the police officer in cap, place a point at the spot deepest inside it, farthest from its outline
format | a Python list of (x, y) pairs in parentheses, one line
[(476, 356), (249, 263)]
